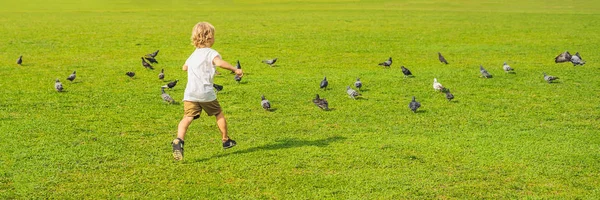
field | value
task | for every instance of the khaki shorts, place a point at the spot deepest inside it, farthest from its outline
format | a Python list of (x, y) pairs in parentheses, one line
[(193, 109)]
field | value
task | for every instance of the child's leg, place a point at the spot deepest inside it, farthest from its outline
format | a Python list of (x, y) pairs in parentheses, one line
[(222, 123), (183, 126)]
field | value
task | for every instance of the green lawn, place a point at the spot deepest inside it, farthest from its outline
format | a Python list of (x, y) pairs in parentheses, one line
[(513, 136)]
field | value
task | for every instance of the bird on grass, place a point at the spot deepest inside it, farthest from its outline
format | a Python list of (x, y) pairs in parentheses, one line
[(237, 77), (507, 68), (577, 60), (152, 55), (484, 73), (265, 103), (20, 60), (549, 79), (387, 63), (405, 71), (437, 86), (166, 97), (442, 59), (563, 57), (358, 83), (449, 95), (414, 105), (146, 64), (352, 93), (58, 86), (270, 62), (161, 75), (217, 87), (170, 85), (321, 103), (324, 83), (130, 74), (71, 77), (151, 59)]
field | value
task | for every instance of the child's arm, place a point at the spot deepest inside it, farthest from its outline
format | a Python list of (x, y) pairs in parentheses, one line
[(225, 65), (185, 67)]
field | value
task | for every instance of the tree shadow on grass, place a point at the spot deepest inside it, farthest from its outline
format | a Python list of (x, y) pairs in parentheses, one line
[(280, 144)]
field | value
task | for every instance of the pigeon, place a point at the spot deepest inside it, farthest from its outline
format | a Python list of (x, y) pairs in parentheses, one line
[(577, 60), (152, 55), (324, 83), (151, 59), (270, 62), (449, 95), (563, 57), (146, 64), (58, 86), (549, 79), (238, 78), (321, 103), (405, 71), (414, 105), (387, 63), (484, 73), (71, 77), (265, 103), (130, 74), (217, 87), (170, 85), (161, 75), (358, 83), (166, 97), (442, 59), (437, 86), (352, 93), (20, 60), (507, 68)]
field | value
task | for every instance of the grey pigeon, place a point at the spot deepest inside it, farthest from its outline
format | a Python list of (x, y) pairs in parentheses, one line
[(152, 55), (20, 60), (265, 103), (217, 87), (270, 62), (324, 83), (170, 85), (321, 103), (351, 92), (484, 73), (563, 57), (449, 95), (507, 68), (58, 86), (238, 78), (71, 77), (441, 58), (414, 105), (405, 71), (358, 83), (577, 60), (130, 74), (549, 79), (146, 64), (387, 63), (161, 75), (166, 97)]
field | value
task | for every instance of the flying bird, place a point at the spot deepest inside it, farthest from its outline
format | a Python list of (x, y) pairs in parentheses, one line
[(577, 60), (549, 79), (166, 97), (270, 62), (324, 83), (321, 103), (20, 60), (217, 87), (130, 74), (170, 85), (152, 55), (58, 86), (449, 95), (563, 57), (507, 68), (358, 83), (238, 78), (405, 71), (441, 58), (484, 73), (146, 64), (71, 77), (414, 105), (387, 63), (161, 75), (351, 92), (265, 103), (437, 86), (151, 59)]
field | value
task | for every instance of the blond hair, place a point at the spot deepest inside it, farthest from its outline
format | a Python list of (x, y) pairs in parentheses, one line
[(202, 33)]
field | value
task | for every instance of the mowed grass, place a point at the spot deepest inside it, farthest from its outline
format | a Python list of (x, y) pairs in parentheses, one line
[(108, 136)]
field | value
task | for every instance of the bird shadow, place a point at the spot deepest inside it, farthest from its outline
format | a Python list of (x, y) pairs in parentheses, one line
[(272, 110), (279, 144), (363, 90), (421, 111)]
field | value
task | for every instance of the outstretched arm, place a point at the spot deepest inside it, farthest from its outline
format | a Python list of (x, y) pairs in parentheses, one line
[(225, 65)]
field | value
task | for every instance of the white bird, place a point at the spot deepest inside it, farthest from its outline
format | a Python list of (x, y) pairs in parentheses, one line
[(58, 86), (437, 86), (507, 68), (352, 93)]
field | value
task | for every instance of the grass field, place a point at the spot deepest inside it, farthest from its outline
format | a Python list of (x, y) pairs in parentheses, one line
[(108, 136)]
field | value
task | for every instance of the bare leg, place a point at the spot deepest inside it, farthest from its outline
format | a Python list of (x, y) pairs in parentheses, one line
[(183, 126), (222, 123)]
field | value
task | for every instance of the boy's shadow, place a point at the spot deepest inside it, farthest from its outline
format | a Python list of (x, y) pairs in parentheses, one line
[(281, 144)]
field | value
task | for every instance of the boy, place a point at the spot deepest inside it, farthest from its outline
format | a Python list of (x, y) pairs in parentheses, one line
[(199, 94)]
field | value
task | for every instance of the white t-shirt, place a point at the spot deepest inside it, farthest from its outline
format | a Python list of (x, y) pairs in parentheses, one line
[(201, 72)]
